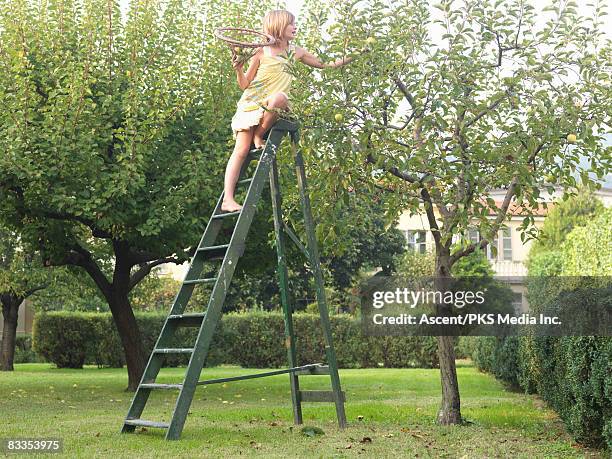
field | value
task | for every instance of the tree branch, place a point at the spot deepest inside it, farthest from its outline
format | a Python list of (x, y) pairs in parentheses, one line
[(431, 218), (78, 256), (145, 269), (488, 109)]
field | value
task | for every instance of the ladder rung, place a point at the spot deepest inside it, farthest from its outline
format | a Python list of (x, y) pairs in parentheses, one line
[(247, 180), (188, 320), (213, 252), (161, 386), (214, 247), (319, 396), (193, 315), (226, 214), (145, 423), (200, 281), (178, 350)]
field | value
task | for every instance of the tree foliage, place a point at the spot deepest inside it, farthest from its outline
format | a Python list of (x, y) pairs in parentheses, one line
[(453, 100), (567, 214), (114, 134)]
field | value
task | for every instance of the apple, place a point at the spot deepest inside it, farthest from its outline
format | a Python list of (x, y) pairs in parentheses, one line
[(338, 117), (371, 40), (571, 138)]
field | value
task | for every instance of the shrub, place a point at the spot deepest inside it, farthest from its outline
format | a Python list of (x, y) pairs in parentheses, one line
[(65, 338), (23, 350), (254, 339), (572, 373)]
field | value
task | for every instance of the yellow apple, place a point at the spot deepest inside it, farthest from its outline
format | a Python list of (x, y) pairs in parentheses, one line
[(571, 138), (371, 40), (338, 117)]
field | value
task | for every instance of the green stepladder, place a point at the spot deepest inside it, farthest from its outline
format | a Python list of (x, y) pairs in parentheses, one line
[(206, 321)]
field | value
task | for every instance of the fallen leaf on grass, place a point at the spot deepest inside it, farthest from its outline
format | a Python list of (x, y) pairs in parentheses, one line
[(348, 446), (365, 440)]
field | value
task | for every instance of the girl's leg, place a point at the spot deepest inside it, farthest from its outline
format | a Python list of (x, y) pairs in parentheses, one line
[(241, 150), (277, 100)]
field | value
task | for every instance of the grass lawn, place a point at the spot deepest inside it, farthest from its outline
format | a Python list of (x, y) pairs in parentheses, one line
[(252, 418)]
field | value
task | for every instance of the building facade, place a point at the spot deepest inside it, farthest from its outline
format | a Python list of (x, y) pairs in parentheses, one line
[(508, 261), (25, 318)]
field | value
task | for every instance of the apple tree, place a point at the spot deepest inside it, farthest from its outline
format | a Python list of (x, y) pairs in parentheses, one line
[(445, 102)]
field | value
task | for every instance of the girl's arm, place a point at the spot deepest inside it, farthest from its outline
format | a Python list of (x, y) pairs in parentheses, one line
[(313, 61), (244, 79)]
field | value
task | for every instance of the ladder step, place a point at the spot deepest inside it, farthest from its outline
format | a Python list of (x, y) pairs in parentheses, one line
[(214, 252), (192, 315), (226, 214), (188, 320), (319, 396), (248, 180), (209, 280), (178, 350), (213, 247), (161, 386), (145, 423)]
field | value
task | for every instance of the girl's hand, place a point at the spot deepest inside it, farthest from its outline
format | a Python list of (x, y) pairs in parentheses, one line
[(238, 64)]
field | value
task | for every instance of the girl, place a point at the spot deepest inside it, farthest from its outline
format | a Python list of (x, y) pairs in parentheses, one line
[(266, 84)]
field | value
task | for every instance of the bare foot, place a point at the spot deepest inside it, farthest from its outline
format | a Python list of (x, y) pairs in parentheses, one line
[(230, 206)]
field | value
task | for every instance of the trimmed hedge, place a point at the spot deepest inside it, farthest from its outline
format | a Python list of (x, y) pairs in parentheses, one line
[(255, 339), (572, 373)]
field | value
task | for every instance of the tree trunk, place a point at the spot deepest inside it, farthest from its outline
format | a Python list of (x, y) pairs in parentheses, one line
[(450, 409), (130, 336), (123, 315), (10, 310)]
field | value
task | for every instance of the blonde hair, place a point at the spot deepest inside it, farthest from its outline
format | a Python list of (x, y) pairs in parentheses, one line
[(275, 21)]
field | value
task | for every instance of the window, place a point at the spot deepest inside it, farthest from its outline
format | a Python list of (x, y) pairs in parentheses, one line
[(417, 240), (507, 244), (474, 235), (517, 302), (492, 247)]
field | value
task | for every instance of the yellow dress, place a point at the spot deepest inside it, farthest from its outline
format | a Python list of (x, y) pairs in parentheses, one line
[(271, 77)]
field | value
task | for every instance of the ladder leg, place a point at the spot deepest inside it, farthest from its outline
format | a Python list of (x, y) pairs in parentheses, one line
[(217, 298), (284, 291), (316, 267)]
